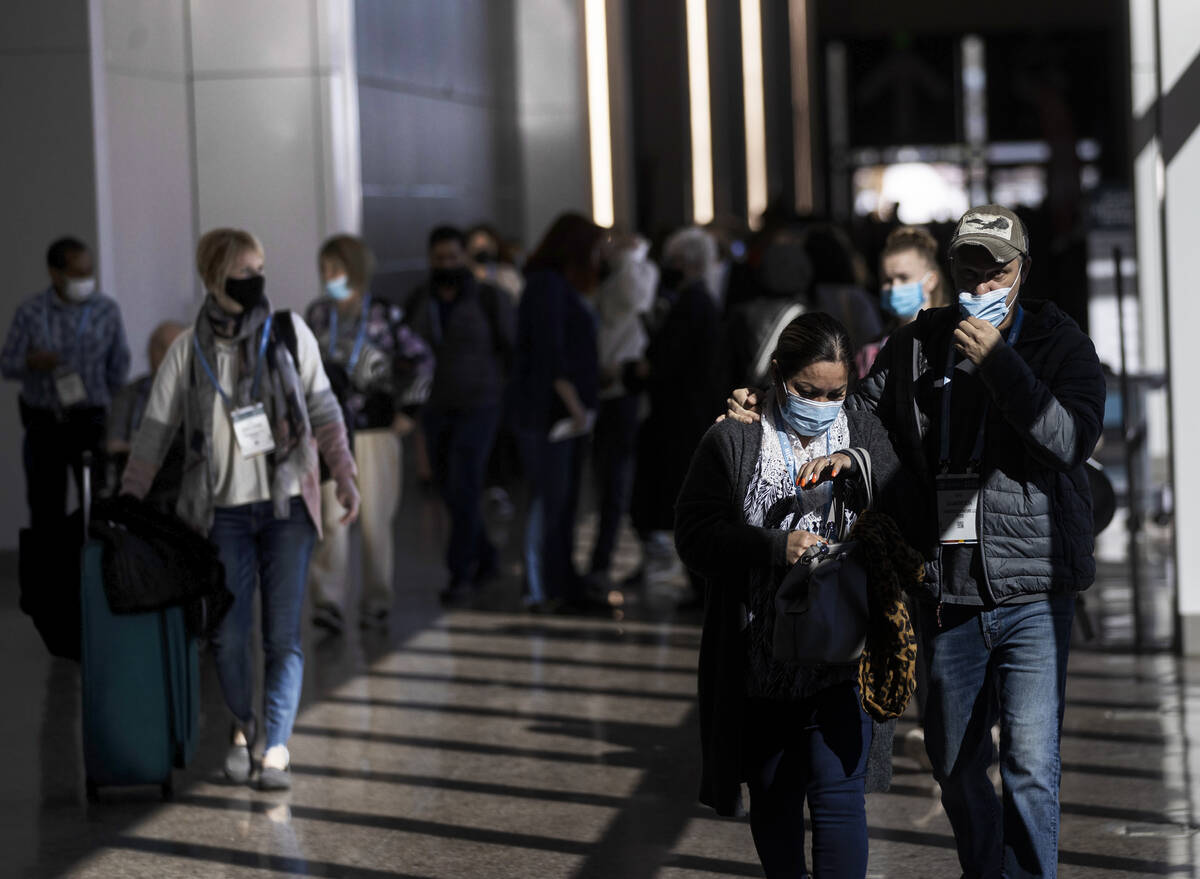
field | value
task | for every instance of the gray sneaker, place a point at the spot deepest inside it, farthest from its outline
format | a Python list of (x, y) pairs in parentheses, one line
[(237, 762), (275, 779)]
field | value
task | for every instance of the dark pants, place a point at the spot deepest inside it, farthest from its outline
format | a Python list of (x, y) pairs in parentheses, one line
[(553, 472), (53, 449), (1008, 664), (814, 749), (612, 460), (459, 442)]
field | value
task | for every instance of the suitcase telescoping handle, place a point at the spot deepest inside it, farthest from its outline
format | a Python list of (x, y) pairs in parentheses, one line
[(86, 500)]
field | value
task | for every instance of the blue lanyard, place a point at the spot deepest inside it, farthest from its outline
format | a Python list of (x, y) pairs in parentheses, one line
[(358, 343), (976, 453), (84, 317), (258, 367)]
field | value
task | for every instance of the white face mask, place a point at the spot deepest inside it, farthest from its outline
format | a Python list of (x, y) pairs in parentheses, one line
[(79, 289)]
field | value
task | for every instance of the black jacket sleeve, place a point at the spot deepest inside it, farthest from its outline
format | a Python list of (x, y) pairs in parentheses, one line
[(1058, 419), (710, 535)]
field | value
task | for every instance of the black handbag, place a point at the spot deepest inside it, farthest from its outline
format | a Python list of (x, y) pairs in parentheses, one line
[(821, 607)]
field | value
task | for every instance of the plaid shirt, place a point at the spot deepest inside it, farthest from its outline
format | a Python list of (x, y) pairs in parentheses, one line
[(88, 337)]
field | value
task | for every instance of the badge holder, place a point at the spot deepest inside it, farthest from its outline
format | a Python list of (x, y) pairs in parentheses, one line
[(69, 387), (251, 427), (958, 508)]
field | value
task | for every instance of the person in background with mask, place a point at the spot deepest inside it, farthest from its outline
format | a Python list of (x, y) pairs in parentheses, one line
[(469, 326), (129, 405), (910, 281), (380, 371), (487, 258), (624, 295), (255, 404), (994, 405), (67, 348)]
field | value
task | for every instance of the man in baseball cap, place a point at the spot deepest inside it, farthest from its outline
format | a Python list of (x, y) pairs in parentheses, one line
[(1007, 405), (994, 404)]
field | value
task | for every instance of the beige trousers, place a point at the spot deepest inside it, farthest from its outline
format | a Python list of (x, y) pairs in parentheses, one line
[(378, 455)]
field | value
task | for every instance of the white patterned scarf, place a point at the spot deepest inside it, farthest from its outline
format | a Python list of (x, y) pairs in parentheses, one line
[(772, 481)]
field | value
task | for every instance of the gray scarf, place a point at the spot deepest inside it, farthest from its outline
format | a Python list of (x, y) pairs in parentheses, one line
[(281, 393)]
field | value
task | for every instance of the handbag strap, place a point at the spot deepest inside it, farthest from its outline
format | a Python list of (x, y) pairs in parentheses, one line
[(835, 520)]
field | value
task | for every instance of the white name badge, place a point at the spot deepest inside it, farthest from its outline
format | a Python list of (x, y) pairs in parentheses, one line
[(69, 386), (253, 431), (958, 505)]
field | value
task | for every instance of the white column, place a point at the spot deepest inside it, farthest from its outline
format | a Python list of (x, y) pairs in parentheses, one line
[(270, 82), (147, 235), (551, 112), (1170, 171)]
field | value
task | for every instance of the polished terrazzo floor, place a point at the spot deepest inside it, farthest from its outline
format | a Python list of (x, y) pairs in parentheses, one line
[(489, 742)]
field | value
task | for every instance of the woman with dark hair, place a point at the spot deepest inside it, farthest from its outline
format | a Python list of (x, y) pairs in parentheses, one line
[(556, 379), (754, 500)]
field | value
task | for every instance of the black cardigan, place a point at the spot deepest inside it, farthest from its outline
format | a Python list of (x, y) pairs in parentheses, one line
[(714, 541)]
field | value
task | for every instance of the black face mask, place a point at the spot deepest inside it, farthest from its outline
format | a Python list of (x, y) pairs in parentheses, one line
[(672, 279), (246, 292), (482, 257), (448, 277)]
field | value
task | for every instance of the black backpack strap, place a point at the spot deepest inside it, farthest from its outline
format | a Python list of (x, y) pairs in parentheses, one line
[(284, 330)]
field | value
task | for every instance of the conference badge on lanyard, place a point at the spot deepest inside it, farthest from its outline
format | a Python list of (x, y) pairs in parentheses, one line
[(958, 493), (958, 508), (252, 429), (69, 387)]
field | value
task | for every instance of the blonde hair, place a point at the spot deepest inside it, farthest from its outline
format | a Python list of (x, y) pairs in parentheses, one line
[(919, 239), (217, 252)]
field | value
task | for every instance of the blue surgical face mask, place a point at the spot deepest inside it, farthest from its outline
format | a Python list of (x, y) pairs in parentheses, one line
[(991, 306), (809, 417), (338, 288), (905, 300)]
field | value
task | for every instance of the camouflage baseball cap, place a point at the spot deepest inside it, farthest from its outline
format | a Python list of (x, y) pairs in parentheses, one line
[(994, 227)]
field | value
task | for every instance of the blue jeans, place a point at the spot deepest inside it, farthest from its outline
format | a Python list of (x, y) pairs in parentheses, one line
[(459, 444), (256, 547), (1008, 664), (550, 469), (815, 749)]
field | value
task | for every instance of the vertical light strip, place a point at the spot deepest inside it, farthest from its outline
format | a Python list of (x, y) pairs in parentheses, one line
[(599, 124), (754, 111), (802, 150), (701, 115)]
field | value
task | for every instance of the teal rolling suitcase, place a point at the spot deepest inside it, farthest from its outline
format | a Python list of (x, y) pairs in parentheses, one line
[(140, 683)]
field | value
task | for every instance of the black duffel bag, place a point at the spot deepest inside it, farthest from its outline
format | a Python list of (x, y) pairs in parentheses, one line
[(152, 560)]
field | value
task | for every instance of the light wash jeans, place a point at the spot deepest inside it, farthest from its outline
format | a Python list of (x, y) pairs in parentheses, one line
[(258, 549)]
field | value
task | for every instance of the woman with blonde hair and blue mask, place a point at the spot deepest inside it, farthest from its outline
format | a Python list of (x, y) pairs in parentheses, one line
[(255, 403), (381, 371), (910, 281)]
